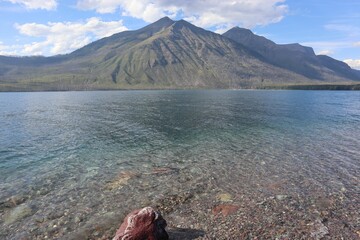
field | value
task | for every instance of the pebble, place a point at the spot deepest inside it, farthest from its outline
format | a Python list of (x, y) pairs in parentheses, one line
[(77, 219), (225, 197), (281, 197), (39, 219), (33, 229)]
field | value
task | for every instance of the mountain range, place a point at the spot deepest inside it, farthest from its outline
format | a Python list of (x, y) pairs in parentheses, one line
[(171, 54)]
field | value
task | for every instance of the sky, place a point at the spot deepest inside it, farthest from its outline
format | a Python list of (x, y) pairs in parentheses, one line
[(37, 27)]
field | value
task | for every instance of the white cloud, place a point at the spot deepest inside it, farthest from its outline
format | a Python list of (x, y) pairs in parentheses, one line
[(357, 44), (328, 44), (350, 30), (35, 48), (325, 52), (36, 4), (210, 13), (221, 29), (64, 37), (9, 50), (353, 63)]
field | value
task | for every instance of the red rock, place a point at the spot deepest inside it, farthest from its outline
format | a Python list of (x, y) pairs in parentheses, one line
[(142, 224), (225, 209)]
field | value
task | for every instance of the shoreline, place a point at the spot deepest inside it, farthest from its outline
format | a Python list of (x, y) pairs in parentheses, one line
[(310, 87)]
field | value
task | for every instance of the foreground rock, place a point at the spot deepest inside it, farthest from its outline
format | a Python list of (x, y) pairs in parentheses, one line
[(142, 224)]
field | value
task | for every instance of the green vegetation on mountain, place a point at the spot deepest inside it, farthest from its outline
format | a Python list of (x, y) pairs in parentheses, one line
[(174, 54)]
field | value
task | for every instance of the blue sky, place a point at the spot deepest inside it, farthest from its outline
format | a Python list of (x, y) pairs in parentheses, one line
[(35, 27)]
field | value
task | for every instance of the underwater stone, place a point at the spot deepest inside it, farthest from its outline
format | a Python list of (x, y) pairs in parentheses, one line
[(18, 213), (143, 223), (225, 209), (281, 197), (225, 197)]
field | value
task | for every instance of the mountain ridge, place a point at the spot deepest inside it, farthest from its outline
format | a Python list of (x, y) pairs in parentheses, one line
[(170, 54), (293, 56)]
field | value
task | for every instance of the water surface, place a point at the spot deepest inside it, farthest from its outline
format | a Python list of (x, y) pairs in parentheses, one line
[(94, 154)]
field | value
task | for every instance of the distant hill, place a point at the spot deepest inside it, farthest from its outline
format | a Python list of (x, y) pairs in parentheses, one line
[(174, 54)]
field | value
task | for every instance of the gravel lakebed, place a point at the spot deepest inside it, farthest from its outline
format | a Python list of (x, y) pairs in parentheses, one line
[(195, 202)]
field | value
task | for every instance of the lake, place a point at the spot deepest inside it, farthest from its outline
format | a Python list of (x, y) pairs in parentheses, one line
[(287, 163)]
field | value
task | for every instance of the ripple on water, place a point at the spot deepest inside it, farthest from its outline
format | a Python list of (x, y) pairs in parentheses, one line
[(81, 160)]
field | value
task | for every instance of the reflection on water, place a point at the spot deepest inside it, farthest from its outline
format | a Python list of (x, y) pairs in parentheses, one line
[(96, 153)]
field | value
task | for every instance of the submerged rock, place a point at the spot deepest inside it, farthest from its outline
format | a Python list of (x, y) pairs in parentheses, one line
[(281, 197), (18, 213), (12, 202), (225, 197), (146, 224), (120, 181), (318, 230), (225, 209)]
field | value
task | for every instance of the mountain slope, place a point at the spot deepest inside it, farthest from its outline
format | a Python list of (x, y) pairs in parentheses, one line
[(165, 54), (183, 55), (294, 57)]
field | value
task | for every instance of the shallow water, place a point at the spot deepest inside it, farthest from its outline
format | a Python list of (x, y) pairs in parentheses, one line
[(84, 155)]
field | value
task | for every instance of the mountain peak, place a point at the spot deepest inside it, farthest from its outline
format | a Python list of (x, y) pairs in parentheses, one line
[(164, 22), (240, 30), (248, 38), (183, 23), (157, 26)]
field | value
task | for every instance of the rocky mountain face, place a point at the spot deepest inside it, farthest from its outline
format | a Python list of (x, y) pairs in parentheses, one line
[(294, 57), (174, 54)]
